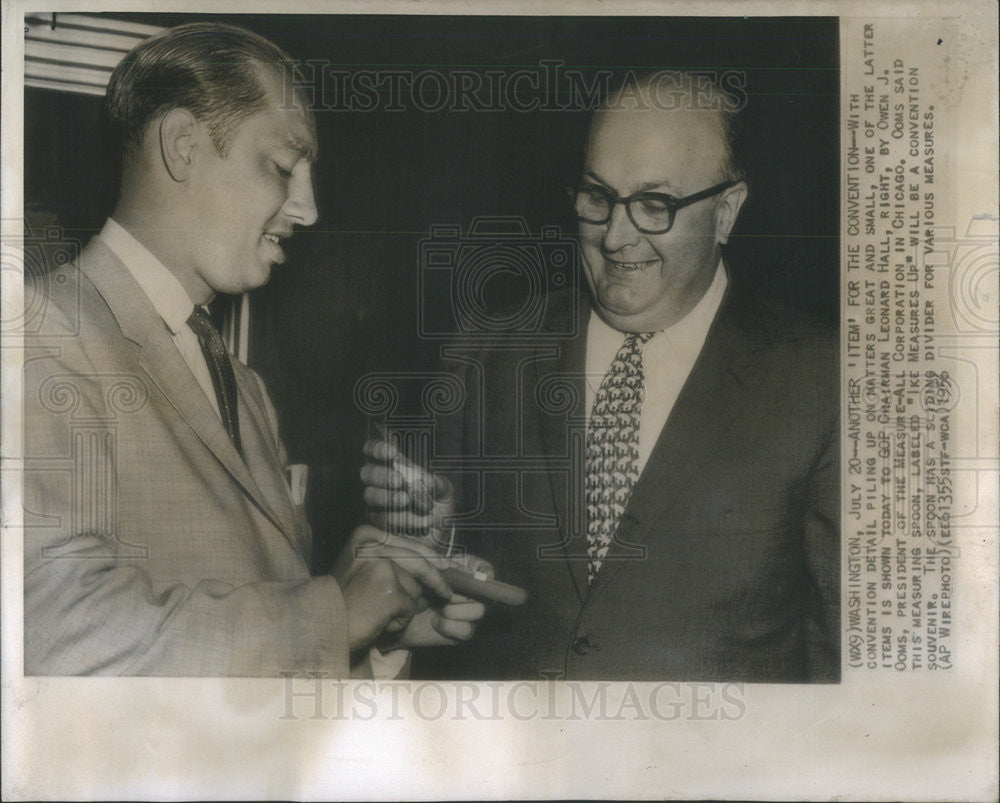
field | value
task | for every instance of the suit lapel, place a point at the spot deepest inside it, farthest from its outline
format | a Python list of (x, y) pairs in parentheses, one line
[(165, 366), (719, 386), (259, 430)]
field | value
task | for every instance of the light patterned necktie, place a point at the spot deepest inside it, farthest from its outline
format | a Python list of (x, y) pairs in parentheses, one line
[(613, 448), (221, 370)]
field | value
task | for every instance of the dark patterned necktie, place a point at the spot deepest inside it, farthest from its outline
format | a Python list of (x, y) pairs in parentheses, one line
[(613, 448), (221, 369)]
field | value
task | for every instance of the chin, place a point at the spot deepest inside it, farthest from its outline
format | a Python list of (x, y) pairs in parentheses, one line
[(619, 303), (250, 283), (259, 279)]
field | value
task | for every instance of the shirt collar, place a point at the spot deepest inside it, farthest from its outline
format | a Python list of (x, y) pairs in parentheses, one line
[(165, 292), (689, 332)]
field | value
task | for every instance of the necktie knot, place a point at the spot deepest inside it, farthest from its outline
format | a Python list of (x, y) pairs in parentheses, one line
[(221, 370), (635, 339), (201, 324)]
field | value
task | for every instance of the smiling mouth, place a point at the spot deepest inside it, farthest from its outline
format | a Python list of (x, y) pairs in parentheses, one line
[(276, 240), (629, 266)]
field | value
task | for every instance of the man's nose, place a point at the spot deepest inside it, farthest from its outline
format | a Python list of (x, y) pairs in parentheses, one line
[(620, 231), (301, 203)]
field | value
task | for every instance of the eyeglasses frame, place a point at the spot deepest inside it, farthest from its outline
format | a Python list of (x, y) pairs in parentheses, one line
[(671, 202)]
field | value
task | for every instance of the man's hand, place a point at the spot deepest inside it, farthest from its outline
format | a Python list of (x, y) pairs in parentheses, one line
[(401, 496), (446, 625), (438, 627), (383, 578), (404, 498)]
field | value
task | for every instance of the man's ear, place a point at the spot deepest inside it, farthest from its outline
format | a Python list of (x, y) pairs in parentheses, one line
[(728, 210), (177, 142)]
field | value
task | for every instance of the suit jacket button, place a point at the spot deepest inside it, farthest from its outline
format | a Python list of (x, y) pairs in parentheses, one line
[(581, 645)]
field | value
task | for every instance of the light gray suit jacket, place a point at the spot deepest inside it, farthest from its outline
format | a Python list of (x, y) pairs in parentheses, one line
[(151, 547)]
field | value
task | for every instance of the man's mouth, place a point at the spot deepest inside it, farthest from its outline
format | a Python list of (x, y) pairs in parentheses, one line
[(618, 265), (276, 239)]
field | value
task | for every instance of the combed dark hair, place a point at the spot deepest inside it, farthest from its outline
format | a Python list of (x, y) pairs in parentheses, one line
[(210, 69)]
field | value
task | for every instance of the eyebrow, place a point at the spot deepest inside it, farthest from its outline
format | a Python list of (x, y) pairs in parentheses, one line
[(301, 148), (645, 187)]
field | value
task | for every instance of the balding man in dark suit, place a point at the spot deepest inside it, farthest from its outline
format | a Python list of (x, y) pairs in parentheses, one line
[(685, 525)]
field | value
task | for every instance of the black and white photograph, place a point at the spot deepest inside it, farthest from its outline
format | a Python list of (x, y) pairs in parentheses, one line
[(536, 249), (487, 375)]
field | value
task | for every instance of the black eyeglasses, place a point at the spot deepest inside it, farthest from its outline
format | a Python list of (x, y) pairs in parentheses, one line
[(650, 212)]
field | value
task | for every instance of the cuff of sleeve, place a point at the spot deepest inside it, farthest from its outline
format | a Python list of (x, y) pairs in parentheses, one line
[(333, 650)]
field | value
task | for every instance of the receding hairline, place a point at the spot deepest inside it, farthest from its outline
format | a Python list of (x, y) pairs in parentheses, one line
[(694, 126), (636, 95), (674, 82)]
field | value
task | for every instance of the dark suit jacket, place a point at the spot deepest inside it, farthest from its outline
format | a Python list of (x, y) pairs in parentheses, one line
[(151, 547), (726, 564)]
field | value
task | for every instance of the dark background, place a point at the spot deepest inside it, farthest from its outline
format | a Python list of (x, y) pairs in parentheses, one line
[(345, 302)]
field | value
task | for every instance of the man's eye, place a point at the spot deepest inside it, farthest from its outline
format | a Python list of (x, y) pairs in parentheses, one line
[(592, 196), (653, 206), (283, 172)]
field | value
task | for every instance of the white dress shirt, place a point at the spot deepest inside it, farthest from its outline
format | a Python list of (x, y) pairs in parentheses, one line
[(168, 297), (667, 360)]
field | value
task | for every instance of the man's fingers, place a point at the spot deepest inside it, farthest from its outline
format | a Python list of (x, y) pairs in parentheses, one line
[(365, 537), (420, 548), (410, 586), (453, 628), (399, 521), (413, 557), (443, 489), (408, 555), (404, 613), (423, 571), (377, 593), (476, 564), (464, 610), (382, 497), (381, 476), (381, 450), (367, 540)]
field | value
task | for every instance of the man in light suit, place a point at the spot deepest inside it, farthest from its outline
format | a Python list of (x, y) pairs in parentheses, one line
[(161, 537), (659, 469)]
